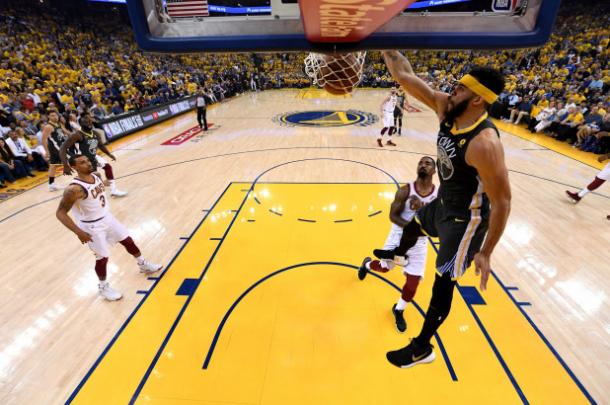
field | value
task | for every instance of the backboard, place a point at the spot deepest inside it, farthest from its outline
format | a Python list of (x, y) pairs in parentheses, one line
[(181, 26)]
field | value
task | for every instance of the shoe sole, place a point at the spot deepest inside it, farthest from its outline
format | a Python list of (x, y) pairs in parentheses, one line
[(151, 272), (428, 359), (111, 300)]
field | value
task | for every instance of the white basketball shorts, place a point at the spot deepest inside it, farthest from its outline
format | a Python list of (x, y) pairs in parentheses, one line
[(605, 173), (104, 233), (416, 263), (388, 119)]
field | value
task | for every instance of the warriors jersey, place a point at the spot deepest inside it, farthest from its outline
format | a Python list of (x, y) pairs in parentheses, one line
[(400, 101), (88, 146), (56, 139), (461, 189), (95, 205)]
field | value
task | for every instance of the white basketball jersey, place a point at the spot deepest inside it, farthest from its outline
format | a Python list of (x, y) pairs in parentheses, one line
[(389, 105), (95, 205), (408, 213)]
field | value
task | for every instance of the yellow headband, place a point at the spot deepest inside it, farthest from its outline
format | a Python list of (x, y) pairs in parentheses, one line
[(476, 87)]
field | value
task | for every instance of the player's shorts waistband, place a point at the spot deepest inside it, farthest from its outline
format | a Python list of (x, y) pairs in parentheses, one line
[(95, 220)]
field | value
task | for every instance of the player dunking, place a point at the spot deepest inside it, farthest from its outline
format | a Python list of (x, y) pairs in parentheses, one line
[(87, 142), (409, 198), (96, 226), (387, 112), (473, 201), (600, 179), (53, 136)]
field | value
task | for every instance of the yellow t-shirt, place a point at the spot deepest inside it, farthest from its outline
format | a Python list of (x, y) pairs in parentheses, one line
[(578, 117), (579, 98)]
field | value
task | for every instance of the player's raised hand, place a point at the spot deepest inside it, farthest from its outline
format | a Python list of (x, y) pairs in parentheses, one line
[(482, 268)]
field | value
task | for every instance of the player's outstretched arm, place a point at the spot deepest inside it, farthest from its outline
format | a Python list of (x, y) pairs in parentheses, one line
[(63, 151), (400, 68), (103, 147), (485, 153), (71, 195)]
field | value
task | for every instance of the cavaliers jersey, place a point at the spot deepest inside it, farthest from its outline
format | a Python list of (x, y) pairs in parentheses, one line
[(461, 189), (388, 106), (95, 205), (57, 138), (88, 146), (407, 213)]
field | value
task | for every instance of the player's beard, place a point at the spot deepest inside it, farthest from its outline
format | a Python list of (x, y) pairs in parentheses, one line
[(457, 110), (422, 174)]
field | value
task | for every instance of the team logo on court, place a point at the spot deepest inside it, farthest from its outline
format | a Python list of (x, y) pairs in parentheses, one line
[(326, 118)]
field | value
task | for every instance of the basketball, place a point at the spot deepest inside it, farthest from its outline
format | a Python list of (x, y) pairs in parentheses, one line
[(340, 73)]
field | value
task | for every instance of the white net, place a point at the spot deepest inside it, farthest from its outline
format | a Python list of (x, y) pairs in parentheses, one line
[(341, 72)]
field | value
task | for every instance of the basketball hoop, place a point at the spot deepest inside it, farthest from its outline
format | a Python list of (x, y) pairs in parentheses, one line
[(337, 74)]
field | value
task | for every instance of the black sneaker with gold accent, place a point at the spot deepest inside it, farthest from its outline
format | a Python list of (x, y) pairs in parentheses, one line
[(411, 355)]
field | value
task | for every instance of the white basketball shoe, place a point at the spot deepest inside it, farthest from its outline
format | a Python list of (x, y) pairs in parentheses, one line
[(147, 267), (108, 293)]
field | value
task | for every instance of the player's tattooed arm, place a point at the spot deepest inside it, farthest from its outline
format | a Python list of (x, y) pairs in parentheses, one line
[(402, 71), (71, 195), (398, 205)]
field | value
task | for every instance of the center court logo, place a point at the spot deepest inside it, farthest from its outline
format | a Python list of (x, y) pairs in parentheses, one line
[(326, 118)]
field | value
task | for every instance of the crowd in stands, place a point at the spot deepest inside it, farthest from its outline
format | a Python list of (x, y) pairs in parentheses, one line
[(76, 65)]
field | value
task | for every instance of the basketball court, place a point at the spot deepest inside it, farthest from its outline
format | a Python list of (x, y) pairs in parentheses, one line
[(261, 225), (262, 222)]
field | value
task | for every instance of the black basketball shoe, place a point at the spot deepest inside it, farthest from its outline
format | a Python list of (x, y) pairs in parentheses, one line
[(411, 355), (363, 270), (401, 324), (384, 254)]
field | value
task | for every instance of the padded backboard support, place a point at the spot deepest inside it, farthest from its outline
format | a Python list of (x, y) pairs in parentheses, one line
[(509, 24)]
